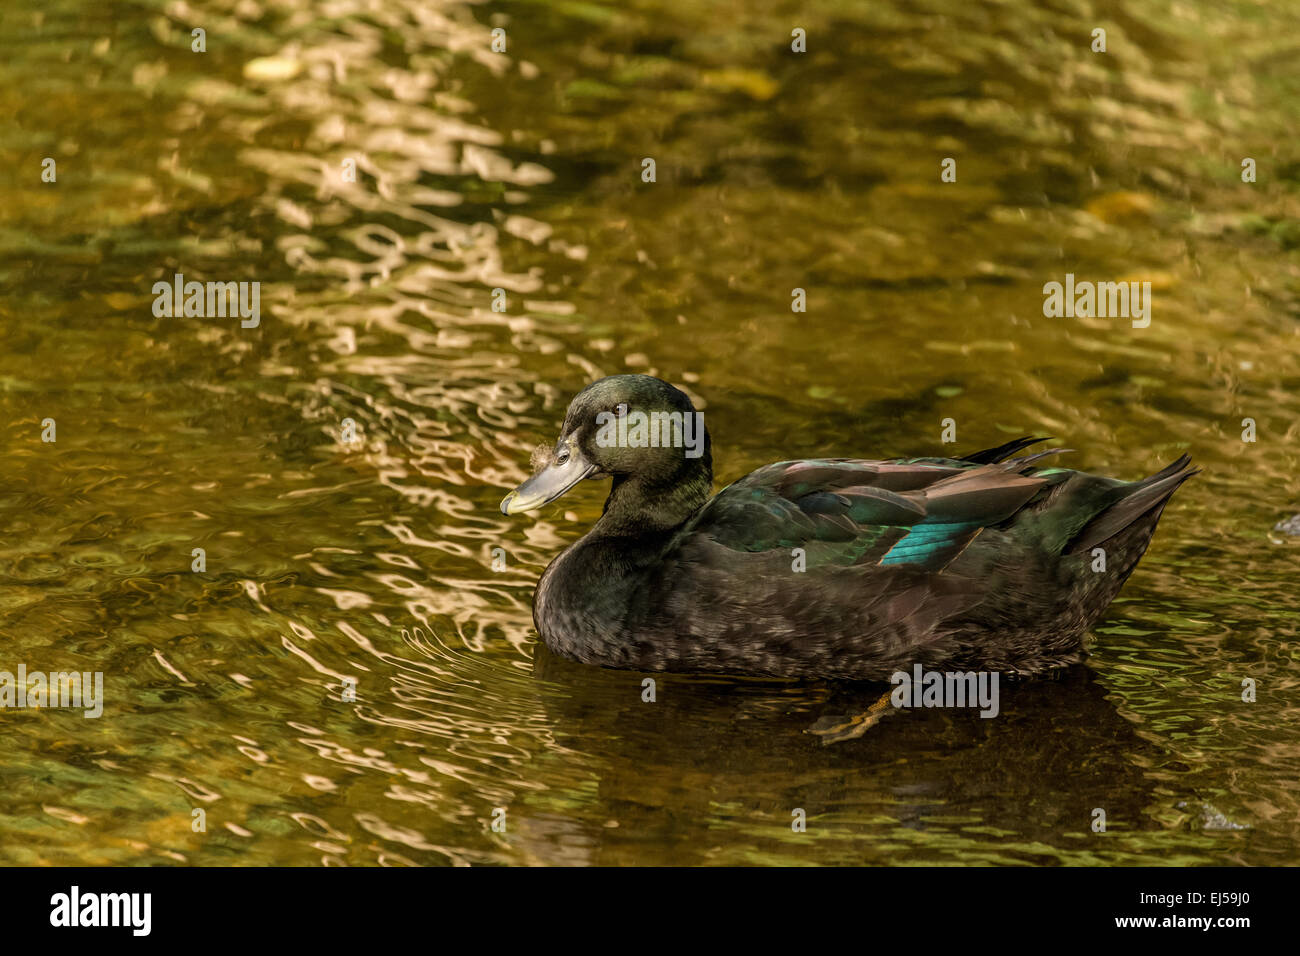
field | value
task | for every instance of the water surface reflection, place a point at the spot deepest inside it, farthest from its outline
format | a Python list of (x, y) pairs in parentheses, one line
[(519, 172)]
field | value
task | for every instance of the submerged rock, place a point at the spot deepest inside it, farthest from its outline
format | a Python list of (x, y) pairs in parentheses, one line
[(1290, 526)]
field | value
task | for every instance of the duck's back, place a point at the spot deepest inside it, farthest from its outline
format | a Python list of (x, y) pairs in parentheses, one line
[(855, 569)]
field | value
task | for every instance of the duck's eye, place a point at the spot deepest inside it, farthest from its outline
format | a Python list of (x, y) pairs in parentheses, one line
[(563, 457)]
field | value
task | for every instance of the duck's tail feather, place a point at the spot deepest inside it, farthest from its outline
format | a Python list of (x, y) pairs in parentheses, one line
[(991, 455), (1138, 500), (1020, 464)]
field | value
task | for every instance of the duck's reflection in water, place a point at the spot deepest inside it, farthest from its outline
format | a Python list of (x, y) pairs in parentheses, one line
[(1029, 784)]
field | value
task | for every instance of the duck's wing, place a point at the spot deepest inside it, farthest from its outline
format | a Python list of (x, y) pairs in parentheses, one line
[(828, 568), (920, 513), (843, 568)]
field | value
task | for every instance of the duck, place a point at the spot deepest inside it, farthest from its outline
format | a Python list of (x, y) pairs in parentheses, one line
[(828, 568)]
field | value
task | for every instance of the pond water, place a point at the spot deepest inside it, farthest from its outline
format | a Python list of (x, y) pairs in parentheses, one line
[(522, 171)]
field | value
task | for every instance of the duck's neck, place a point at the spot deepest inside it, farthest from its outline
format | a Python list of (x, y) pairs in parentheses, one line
[(638, 506), (583, 597)]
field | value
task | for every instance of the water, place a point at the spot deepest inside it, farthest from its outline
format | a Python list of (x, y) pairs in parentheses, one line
[(521, 172)]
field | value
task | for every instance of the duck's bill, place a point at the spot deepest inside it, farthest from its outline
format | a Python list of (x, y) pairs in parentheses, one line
[(547, 485)]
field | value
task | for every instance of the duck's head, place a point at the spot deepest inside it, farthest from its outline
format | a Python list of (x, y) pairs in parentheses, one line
[(637, 429)]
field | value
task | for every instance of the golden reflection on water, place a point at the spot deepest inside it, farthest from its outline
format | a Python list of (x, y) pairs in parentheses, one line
[(478, 171)]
